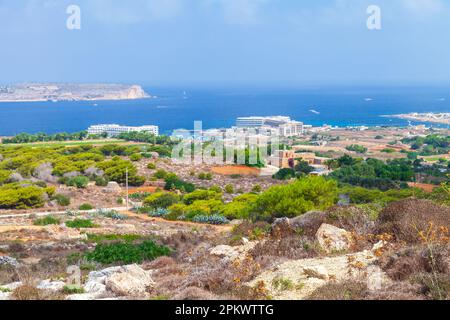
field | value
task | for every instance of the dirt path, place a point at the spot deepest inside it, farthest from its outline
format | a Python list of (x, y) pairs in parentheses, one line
[(221, 228), (50, 213)]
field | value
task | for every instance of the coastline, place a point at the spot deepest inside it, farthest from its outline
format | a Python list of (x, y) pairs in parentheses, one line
[(420, 118), (77, 100)]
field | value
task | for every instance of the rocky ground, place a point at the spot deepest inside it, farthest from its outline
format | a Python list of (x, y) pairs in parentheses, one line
[(189, 173), (338, 254)]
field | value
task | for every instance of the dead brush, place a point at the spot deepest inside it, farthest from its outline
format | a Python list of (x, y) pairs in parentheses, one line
[(433, 238), (257, 292), (222, 277), (292, 247)]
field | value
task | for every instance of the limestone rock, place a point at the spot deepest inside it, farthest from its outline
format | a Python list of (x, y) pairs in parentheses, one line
[(224, 251), (132, 280), (282, 228), (319, 272), (100, 276), (309, 223), (12, 286), (113, 187), (62, 233), (82, 297), (5, 260), (51, 285), (94, 287), (5, 296), (333, 239)]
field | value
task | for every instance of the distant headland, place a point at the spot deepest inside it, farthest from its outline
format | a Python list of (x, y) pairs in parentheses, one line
[(443, 118), (34, 92)]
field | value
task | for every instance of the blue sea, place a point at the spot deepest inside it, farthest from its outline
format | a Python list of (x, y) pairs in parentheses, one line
[(176, 108)]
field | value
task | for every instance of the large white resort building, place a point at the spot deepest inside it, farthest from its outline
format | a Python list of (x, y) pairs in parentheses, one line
[(113, 130), (285, 126)]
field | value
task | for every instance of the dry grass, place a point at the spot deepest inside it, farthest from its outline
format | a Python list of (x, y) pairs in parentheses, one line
[(403, 219), (236, 170), (347, 290)]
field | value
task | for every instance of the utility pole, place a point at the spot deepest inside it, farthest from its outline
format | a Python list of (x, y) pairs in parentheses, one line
[(126, 184)]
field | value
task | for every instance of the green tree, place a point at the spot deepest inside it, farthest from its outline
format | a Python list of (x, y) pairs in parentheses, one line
[(161, 200), (311, 193)]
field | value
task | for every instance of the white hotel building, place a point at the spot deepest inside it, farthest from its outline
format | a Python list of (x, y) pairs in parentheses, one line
[(285, 126), (113, 130)]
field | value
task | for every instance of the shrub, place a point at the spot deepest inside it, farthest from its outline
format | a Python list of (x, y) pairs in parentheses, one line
[(161, 200), (312, 193), (213, 219), (49, 220), (151, 166), (229, 189), (285, 174), (216, 189), (101, 182), (135, 157), (160, 174), (98, 238), (347, 290), (80, 182), (71, 289), (175, 183), (205, 176), (405, 219), (257, 188), (16, 197), (240, 207), (282, 284), (62, 200), (112, 214), (140, 195), (127, 253), (201, 195), (357, 148), (158, 213), (80, 223), (27, 292), (86, 207)]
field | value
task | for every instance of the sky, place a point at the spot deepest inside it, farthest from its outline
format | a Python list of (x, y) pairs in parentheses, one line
[(216, 42)]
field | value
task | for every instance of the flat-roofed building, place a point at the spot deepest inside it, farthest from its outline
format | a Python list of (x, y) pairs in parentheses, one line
[(285, 126), (113, 130)]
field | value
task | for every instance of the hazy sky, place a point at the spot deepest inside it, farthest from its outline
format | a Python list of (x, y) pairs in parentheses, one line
[(173, 42)]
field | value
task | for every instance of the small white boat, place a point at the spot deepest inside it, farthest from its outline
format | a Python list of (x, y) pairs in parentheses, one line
[(314, 111)]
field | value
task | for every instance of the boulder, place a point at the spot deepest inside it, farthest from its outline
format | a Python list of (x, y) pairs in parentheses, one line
[(377, 279), (282, 228), (132, 280), (100, 276), (12, 286), (224, 251), (309, 223), (82, 297), (155, 155), (94, 287), (62, 233), (51, 285), (113, 187), (333, 239), (5, 260), (5, 296), (319, 272)]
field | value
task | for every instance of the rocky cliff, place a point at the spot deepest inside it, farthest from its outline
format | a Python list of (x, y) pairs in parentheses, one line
[(71, 92)]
